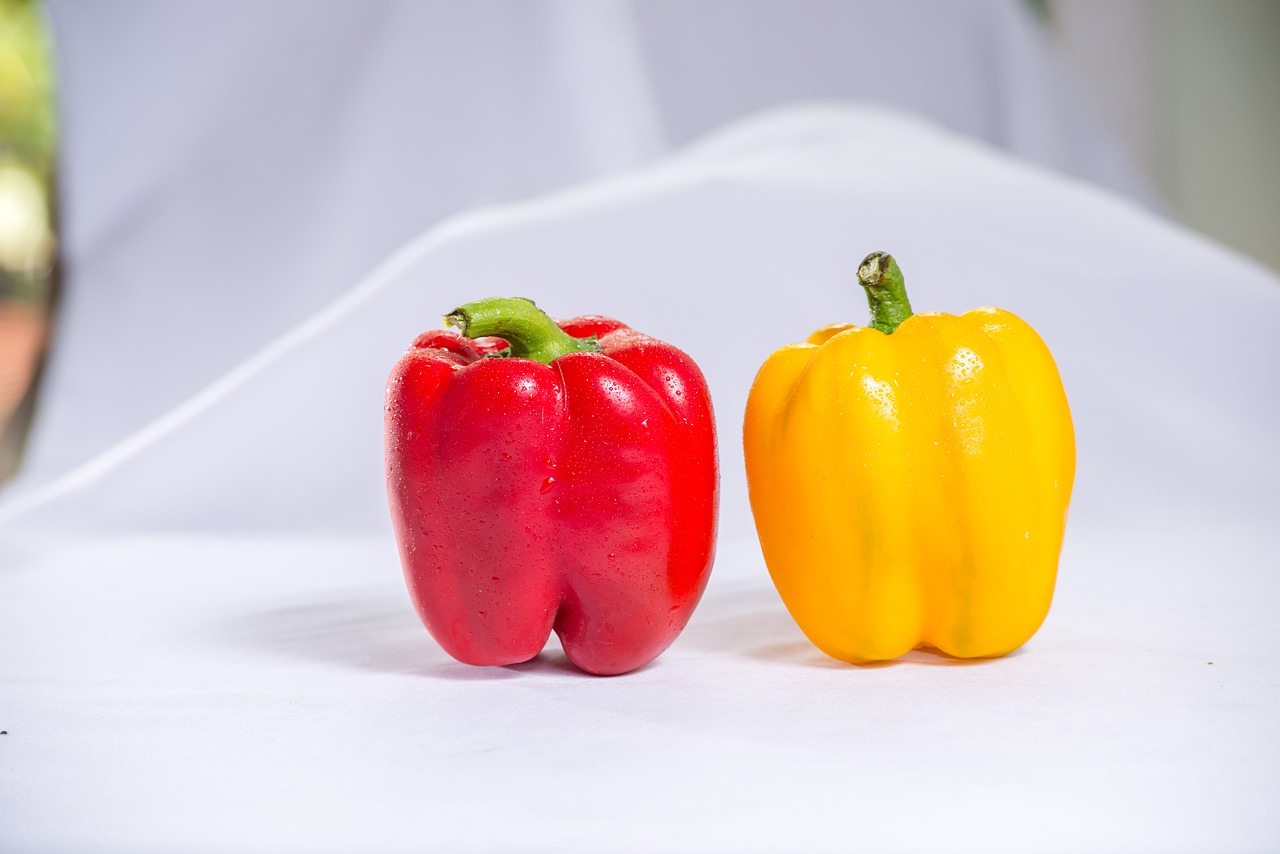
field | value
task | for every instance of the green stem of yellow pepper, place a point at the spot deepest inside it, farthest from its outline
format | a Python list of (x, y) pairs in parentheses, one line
[(886, 292)]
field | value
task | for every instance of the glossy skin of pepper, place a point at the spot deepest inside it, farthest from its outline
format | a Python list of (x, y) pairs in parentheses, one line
[(910, 489), (578, 496)]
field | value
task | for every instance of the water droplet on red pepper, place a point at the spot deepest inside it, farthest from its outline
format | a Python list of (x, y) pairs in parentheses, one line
[(547, 484)]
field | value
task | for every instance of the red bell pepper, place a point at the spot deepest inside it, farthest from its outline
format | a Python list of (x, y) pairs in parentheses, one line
[(571, 485)]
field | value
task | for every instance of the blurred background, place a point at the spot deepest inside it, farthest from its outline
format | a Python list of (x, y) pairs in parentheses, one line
[(197, 145), (27, 215)]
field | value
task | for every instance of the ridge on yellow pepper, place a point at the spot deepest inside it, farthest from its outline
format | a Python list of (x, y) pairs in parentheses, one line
[(910, 479)]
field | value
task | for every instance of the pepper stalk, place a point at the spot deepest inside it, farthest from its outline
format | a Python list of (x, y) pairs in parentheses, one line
[(528, 330), (886, 291)]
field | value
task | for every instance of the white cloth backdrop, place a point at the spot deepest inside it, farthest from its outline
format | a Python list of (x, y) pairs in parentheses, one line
[(207, 644), (228, 170)]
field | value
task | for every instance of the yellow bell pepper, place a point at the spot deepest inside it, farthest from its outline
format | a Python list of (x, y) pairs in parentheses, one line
[(910, 479)]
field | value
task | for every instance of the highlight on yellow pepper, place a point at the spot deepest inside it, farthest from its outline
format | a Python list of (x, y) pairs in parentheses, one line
[(910, 479)]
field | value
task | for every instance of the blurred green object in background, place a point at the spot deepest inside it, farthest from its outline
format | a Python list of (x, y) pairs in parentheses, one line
[(28, 244)]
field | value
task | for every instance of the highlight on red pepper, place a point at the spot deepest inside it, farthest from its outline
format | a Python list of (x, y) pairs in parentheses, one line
[(546, 476)]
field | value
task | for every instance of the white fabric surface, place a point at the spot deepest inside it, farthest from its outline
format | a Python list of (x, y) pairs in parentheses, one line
[(207, 642), (228, 172)]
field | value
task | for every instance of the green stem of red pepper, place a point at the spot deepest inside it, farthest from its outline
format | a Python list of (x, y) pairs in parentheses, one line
[(886, 291), (528, 330)]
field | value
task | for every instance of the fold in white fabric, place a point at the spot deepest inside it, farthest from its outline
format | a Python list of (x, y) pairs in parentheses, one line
[(731, 249), (207, 643), (226, 175)]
